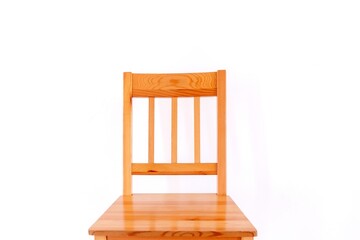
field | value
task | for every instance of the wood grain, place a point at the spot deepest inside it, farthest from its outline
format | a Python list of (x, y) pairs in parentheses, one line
[(178, 238), (149, 215), (151, 129), (197, 129), (174, 117), (221, 131), (127, 134), (174, 85), (174, 216), (174, 169)]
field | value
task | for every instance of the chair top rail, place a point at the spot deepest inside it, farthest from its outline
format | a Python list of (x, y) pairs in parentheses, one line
[(174, 85)]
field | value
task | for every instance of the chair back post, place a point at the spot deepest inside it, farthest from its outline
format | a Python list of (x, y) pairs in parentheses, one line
[(127, 134), (221, 131)]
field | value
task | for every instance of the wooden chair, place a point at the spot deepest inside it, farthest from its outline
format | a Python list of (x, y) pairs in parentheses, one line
[(174, 216)]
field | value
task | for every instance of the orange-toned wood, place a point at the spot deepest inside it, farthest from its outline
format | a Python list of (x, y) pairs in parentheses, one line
[(174, 130), (180, 238), (97, 237), (127, 133), (174, 85), (221, 131), (197, 129), (174, 169), (173, 215), (151, 129)]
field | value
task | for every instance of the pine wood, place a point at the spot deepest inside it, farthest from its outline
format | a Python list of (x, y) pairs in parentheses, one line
[(221, 131), (180, 238), (174, 85), (127, 133), (173, 215), (97, 237), (174, 169), (197, 129), (174, 130), (151, 128)]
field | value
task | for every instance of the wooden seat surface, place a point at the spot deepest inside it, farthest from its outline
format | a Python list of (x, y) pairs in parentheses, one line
[(173, 215)]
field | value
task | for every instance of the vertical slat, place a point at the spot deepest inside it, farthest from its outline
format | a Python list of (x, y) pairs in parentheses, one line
[(127, 133), (221, 131), (174, 130), (197, 129), (151, 129)]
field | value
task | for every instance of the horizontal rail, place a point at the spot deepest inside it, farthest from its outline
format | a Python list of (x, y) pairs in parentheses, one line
[(174, 168), (174, 85)]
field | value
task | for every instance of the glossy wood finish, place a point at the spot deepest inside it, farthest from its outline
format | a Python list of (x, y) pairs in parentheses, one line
[(174, 85), (180, 238), (173, 215), (127, 134), (100, 237), (221, 131), (174, 169)]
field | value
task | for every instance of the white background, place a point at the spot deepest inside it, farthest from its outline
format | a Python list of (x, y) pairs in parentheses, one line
[(293, 109)]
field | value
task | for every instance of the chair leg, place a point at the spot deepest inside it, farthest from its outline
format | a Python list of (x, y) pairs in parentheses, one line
[(97, 237)]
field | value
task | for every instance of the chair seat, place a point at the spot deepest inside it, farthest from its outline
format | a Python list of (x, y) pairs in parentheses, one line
[(173, 215)]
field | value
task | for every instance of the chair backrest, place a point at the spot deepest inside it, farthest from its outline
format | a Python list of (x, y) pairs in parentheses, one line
[(173, 86)]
